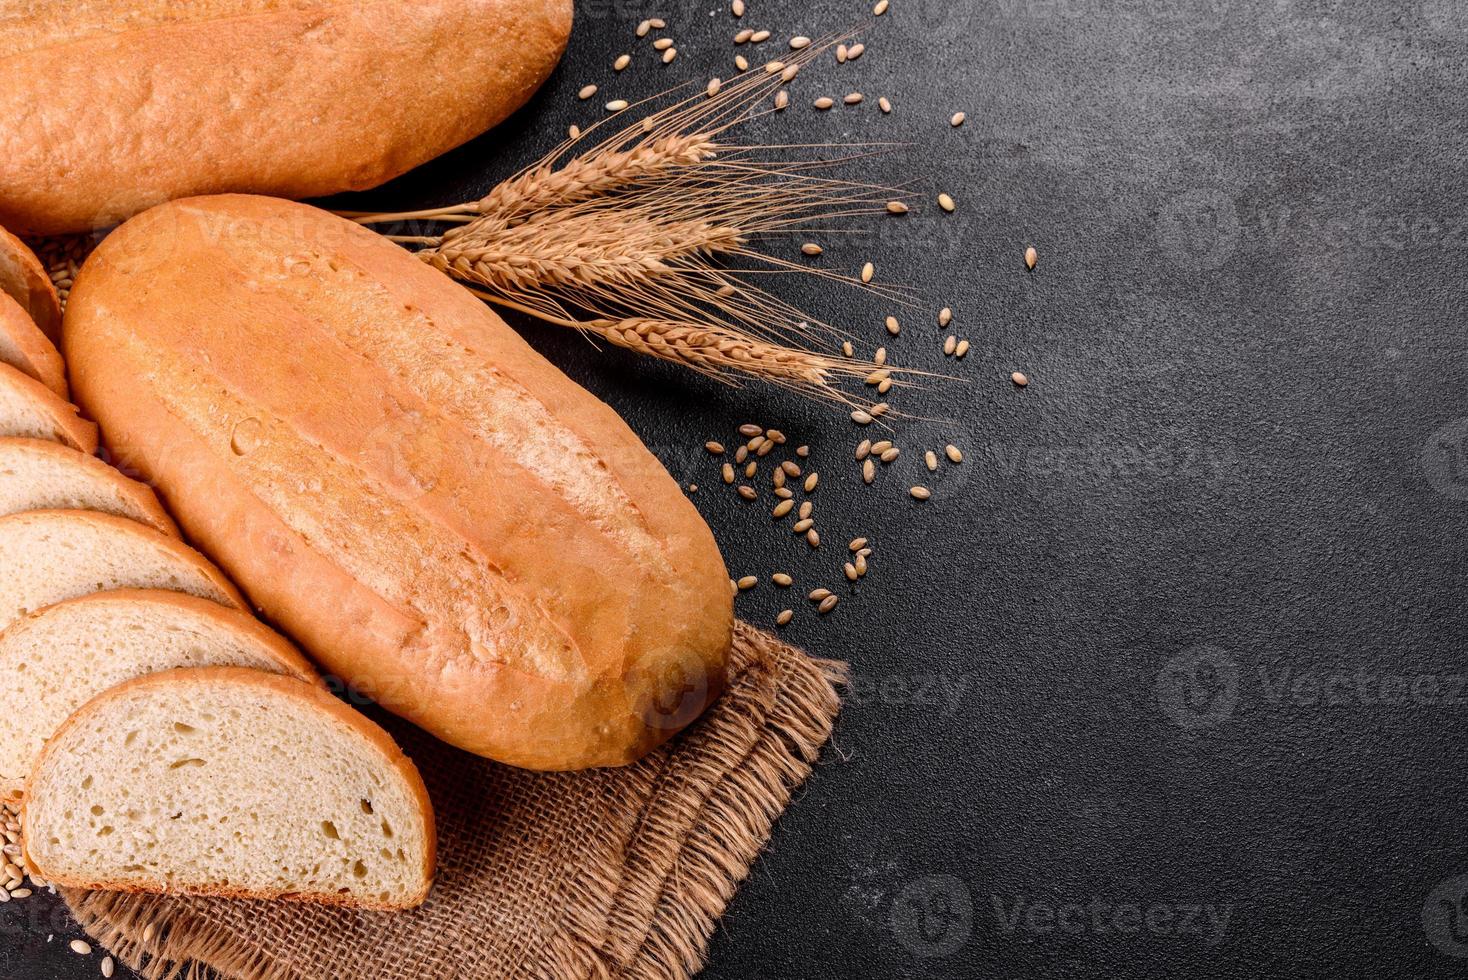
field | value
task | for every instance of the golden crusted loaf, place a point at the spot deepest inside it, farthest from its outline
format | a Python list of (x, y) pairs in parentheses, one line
[(112, 106), (425, 504)]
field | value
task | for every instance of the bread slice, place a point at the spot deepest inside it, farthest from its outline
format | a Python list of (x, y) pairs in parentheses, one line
[(231, 782), (24, 346), (31, 410), (49, 556), (24, 279), (40, 475), (54, 661)]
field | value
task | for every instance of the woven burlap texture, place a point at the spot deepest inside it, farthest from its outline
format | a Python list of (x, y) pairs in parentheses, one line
[(614, 873)]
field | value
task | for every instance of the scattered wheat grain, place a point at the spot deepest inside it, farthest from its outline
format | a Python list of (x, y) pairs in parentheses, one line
[(1019, 379), (920, 493), (850, 571), (957, 119), (947, 203), (961, 349), (782, 99), (950, 344), (880, 8), (953, 453), (81, 947), (623, 60), (885, 104), (811, 248), (893, 327), (868, 471), (1031, 257), (587, 91), (748, 492), (945, 317), (867, 271), (852, 98), (727, 472), (861, 417), (713, 87), (668, 57), (799, 41), (782, 508), (785, 616), (827, 604), (782, 579), (616, 105), (823, 103), (759, 36)]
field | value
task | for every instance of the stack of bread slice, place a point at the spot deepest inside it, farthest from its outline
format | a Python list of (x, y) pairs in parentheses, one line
[(157, 736)]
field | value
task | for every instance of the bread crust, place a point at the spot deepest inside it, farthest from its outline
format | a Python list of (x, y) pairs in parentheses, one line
[(391, 572), (259, 636), (290, 687), (39, 357), (71, 429), (295, 98), (122, 526), (23, 278), (140, 496)]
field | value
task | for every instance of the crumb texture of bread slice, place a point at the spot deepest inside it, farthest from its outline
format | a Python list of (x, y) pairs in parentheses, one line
[(226, 781), (24, 279), (36, 474), (54, 661), (25, 347), (30, 410), (49, 556)]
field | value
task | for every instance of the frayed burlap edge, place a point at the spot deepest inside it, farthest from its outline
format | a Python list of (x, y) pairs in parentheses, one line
[(749, 786)]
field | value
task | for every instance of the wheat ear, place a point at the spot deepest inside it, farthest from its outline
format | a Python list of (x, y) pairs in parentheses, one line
[(625, 238)]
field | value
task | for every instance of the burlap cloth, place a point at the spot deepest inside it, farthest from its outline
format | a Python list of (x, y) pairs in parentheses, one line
[(602, 874)]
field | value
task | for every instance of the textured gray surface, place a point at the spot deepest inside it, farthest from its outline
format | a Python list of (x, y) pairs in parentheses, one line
[(1167, 680)]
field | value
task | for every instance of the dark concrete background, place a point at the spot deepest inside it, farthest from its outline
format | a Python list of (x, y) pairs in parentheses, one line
[(1168, 679)]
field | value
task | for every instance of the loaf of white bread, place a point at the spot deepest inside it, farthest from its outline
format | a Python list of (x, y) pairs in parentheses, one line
[(98, 595), (430, 508), (112, 106)]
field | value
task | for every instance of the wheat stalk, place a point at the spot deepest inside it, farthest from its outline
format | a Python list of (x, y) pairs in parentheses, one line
[(625, 239)]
